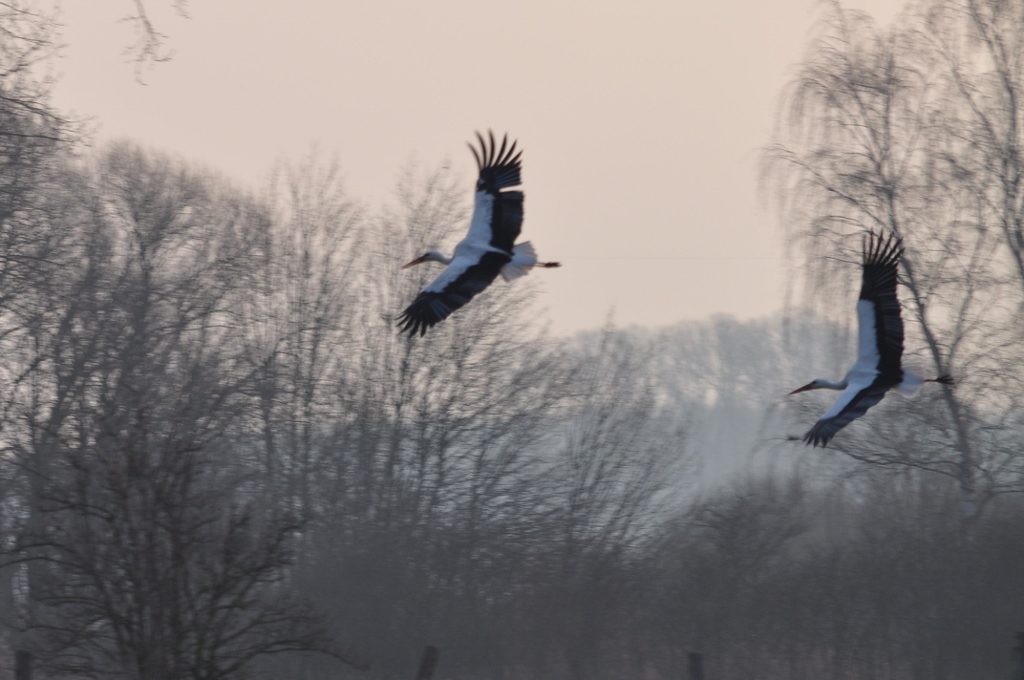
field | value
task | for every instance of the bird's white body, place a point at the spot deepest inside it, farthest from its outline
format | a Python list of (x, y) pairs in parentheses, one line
[(524, 258), (865, 369)]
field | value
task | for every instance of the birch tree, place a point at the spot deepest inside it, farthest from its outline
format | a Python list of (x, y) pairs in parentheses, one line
[(913, 130)]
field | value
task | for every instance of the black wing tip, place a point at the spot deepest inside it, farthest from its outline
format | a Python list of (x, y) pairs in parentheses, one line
[(814, 439), (413, 326), (499, 167), (428, 310), (408, 324), (415, 322), (881, 251), (820, 434), (881, 261)]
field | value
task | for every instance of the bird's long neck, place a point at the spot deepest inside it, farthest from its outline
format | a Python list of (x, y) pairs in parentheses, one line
[(829, 385), (438, 257)]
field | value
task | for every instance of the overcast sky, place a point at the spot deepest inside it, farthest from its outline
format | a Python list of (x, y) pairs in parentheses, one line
[(641, 122)]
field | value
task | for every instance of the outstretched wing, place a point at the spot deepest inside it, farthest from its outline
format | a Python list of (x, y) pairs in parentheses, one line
[(456, 286), (880, 339), (851, 404), (497, 215)]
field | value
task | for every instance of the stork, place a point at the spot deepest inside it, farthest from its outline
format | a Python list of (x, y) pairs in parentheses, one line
[(489, 248), (879, 365)]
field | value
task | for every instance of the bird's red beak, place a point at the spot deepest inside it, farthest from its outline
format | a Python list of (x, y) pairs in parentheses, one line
[(418, 260), (808, 386)]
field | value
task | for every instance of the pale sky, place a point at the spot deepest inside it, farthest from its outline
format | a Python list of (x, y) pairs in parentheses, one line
[(641, 122)]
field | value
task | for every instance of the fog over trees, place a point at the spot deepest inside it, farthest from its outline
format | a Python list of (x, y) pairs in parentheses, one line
[(219, 458)]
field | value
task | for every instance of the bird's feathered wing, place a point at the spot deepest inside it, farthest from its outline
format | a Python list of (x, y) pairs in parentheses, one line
[(497, 215), (456, 285), (878, 287), (879, 340)]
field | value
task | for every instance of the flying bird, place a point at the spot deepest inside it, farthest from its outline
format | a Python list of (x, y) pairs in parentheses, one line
[(879, 366), (489, 248)]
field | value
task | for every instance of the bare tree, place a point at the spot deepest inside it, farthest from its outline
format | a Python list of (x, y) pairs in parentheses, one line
[(33, 138), (295, 321), (151, 553), (149, 47), (713, 566), (614, 478)]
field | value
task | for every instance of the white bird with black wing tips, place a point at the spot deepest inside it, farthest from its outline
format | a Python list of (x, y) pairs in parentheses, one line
[(489, 248), (879, 366)]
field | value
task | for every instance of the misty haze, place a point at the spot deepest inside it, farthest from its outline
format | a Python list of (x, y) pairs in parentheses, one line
[(223, 457)]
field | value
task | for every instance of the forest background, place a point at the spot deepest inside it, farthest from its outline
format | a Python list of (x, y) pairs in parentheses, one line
[(219, 459)]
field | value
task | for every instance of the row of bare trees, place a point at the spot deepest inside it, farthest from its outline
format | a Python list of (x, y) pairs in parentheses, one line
[(219, 459), (211, 422), (136, 529)]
